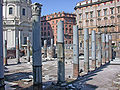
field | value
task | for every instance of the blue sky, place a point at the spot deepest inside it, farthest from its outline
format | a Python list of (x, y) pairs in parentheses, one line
[(51, 6)]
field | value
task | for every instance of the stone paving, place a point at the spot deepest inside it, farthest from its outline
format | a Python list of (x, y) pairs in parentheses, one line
[(19, 76)]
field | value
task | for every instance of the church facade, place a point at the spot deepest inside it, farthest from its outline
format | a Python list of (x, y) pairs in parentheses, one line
[(17, 22)]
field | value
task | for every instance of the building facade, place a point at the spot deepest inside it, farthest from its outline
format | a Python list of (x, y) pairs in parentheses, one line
[(17, 22), (49, 27), (100, 15)]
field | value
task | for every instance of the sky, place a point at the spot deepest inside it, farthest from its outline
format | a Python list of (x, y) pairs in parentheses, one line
[(51, 6)]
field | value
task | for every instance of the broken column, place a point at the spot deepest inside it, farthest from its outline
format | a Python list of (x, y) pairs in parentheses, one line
[(5, 52), (103, 49), (110, 47), (93, 50), (75, 51), (28, 49), (17, 50), (52, 49), (1, 49), (45, 48), (36, 46), (60, 52), (99, 49), (86, 50), (107, 48)]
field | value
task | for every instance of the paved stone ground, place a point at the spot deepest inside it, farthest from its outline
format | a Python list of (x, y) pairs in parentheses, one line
[(18, 76)]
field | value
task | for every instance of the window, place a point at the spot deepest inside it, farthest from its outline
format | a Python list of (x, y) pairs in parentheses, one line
[(56, 15), (44, 28), (41, 33), (86, 15), (45, 23), (60, 15), (52, 22), (41, 23), (105, 12), (70, 31), (48, 17), (53, 16), (56, 21), (48, 33), (48, 27), (118, 9), (41, 28), (80, 16), (99, 13), (69, 25), (44, 33), (69, 37), (91, 14), (23, 11), (10, 10), (25, 40), (66, 30), (65, 25), (112, 11)]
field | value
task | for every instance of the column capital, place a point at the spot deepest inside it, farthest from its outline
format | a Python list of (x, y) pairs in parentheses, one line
[(36, 9)]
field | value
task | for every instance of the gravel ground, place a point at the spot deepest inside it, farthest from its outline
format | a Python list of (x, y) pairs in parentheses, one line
[(18, 76)]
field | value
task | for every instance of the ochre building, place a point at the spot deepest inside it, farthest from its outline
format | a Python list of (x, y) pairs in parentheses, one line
[(49, 27), (99, 15)]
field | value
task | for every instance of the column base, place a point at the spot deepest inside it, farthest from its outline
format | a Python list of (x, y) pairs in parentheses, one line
[(37, 75), (86, 67), (37, 86), (107, 60), (2, 85), (75, 70), (93, 64), (99, 64), (103, 61), (5, 62)]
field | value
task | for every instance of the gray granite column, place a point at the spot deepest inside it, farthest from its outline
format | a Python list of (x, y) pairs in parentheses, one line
[(110, 47), (36, 46), (75, 51), (5, 52), (28, 49), (103, 49), (17, 50), (86, 50), (60, 52), (107, 48), (45, 48), (1, 49), (93, 49), (52, 49), (99, 49)]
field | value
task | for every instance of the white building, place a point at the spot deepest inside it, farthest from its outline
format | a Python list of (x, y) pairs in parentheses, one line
[(17, 21)]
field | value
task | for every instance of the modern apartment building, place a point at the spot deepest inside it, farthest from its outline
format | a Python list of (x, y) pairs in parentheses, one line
[(49, 27), (100, 15)]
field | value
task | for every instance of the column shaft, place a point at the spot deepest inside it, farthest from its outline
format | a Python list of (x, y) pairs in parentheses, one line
[(99, 50), (86, 50), (60, 52), (17, 50), (45, 48), (1, 49), (107, 48), (93, 49), (75, 51), (5, 52), (103, 49), (36, 46), (110, 47), (28, 49)]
